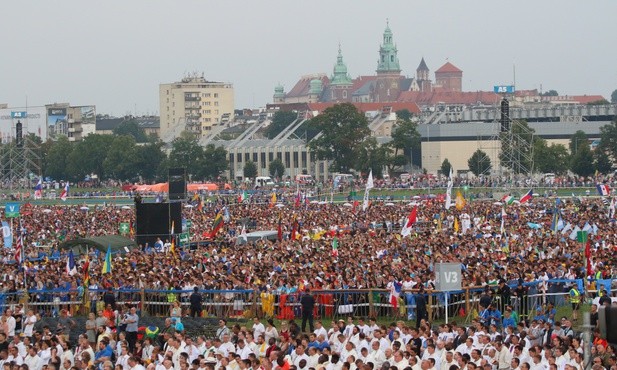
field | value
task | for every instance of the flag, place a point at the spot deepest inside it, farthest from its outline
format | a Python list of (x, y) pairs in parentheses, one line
[(294, 228), (243, 233), (369, 186), (603, 189), (411, 219), (449, 191), (456, 227), (65, 192), (460, 201), (335, 247), (132, 230), (611, 209), (526, 197), (159, 198), (226, 216), (172, 247), (555, 222), (298, 198), (71, 269), (503, 221), (7, 234), (86, 270), (575, 231), (107, 262), (243, 196), (217, 224), (588, 256), (566, 228), (395, 292), (507, 199), (38, 189), (273, 200)]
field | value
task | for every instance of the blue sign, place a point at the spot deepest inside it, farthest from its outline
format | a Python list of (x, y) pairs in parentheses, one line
[(7, 235), (11, 210), (504, 89), (19, 114)]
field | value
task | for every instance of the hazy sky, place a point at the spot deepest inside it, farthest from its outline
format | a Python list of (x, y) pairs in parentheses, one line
[(114, 53)]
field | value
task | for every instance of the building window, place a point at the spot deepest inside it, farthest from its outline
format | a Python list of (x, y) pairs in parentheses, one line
[(167, 91), (392, 58), (216, 95), (247, 157), (263, 159), (173, 104), (238, 157), (216, 111), (255, 157), (207, 104), (344, 94), (295, 156), (207, 120), (270, 157), (216, 104), (287, 160)]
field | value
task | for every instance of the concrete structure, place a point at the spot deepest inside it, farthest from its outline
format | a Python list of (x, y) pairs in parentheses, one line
[(194, 104)]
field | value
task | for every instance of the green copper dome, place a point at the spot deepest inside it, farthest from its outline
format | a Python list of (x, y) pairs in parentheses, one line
[(340, 76), (315, 86), (279, 91)]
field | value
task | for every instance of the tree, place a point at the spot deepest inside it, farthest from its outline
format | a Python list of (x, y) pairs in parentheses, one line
[(598, 102), (56, 161), (404, 115), (88, 157), (582, 162), (550, 93), (186, 152), (608, 141), (550, 159), (405, 138), (601, 162), (516, 147), (214, 162), (276, 168), (371, 156), (479, 163), (121, 162), (280, 121), (150, 158), (343, 130), (578, 139), (614, 97), (249, 170), (131, 128), (445, 167)]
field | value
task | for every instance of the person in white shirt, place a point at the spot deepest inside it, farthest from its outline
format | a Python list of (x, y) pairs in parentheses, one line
[(448, 360), (313, 358), (123, 358), (348, 350), (348, 332), (362, 327), (33, 360), (399, 360), (320, 330), (465, 348), (28, 324), (9, 323), (299, 355), (376, 356), (14, 356), (134, 364), (258, 328), (243, 350)]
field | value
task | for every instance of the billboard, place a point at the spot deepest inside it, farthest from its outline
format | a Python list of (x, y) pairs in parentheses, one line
[(57, 122), (503, 89), (34, 120)]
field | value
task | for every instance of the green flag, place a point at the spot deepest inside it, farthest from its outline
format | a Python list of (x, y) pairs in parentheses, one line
[(124, 228)]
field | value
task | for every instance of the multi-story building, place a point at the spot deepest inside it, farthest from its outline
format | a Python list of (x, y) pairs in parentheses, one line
[(194, 104)]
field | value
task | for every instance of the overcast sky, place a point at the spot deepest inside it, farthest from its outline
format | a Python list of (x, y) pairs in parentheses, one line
[(114, 53)]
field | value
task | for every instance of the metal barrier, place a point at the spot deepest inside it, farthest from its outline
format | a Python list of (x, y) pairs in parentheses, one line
[(331, 304)]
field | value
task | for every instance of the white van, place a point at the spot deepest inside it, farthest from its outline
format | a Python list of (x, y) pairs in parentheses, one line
[(304, 179), (263, 181)]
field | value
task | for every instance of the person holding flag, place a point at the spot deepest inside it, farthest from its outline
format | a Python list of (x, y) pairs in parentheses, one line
[(65, 192), (449, 190), (107, 262), (411, 219), (38, 189), (71, 269)]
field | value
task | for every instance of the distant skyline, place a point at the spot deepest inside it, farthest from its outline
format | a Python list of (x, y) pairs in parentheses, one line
[(114, 54)]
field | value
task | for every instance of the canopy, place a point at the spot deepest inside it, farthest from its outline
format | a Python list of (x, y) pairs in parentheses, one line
[(163, 187), (115, 242)]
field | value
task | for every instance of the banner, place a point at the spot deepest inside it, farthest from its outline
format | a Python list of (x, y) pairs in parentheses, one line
[(7, 234), (11, 210)]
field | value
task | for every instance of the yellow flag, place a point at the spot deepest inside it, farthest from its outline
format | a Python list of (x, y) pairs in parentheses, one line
[(460, 201), (455, 225)]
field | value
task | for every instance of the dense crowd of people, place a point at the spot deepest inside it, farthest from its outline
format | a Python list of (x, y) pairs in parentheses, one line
[(323, 245)]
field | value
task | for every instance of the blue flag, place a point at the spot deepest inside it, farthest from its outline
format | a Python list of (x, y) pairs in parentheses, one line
[(7, 234)]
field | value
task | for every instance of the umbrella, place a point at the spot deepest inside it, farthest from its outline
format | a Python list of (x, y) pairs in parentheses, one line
[(126, 207), (323, 202), (416, 197), (279, 205), (498, 204), (413, 204), (390, 204), (314, 202), (347, 205), (188, 206), (534, 225), (84, 208), (46, 210)]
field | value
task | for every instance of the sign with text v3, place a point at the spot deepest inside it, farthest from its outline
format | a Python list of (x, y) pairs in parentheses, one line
[(11, 210), (448, 276)]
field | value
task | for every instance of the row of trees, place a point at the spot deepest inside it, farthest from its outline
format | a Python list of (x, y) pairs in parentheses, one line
[(129, 155)]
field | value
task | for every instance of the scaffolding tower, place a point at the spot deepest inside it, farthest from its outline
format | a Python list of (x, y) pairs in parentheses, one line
[(20, 161)]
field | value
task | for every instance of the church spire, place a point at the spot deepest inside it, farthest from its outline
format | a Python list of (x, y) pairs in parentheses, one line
[(388, 54), (340, 76)]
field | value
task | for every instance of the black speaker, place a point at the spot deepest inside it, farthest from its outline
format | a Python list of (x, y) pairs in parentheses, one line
[(154, 220), (607, 321), (177, 183), (19, 134), (505, 115)]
